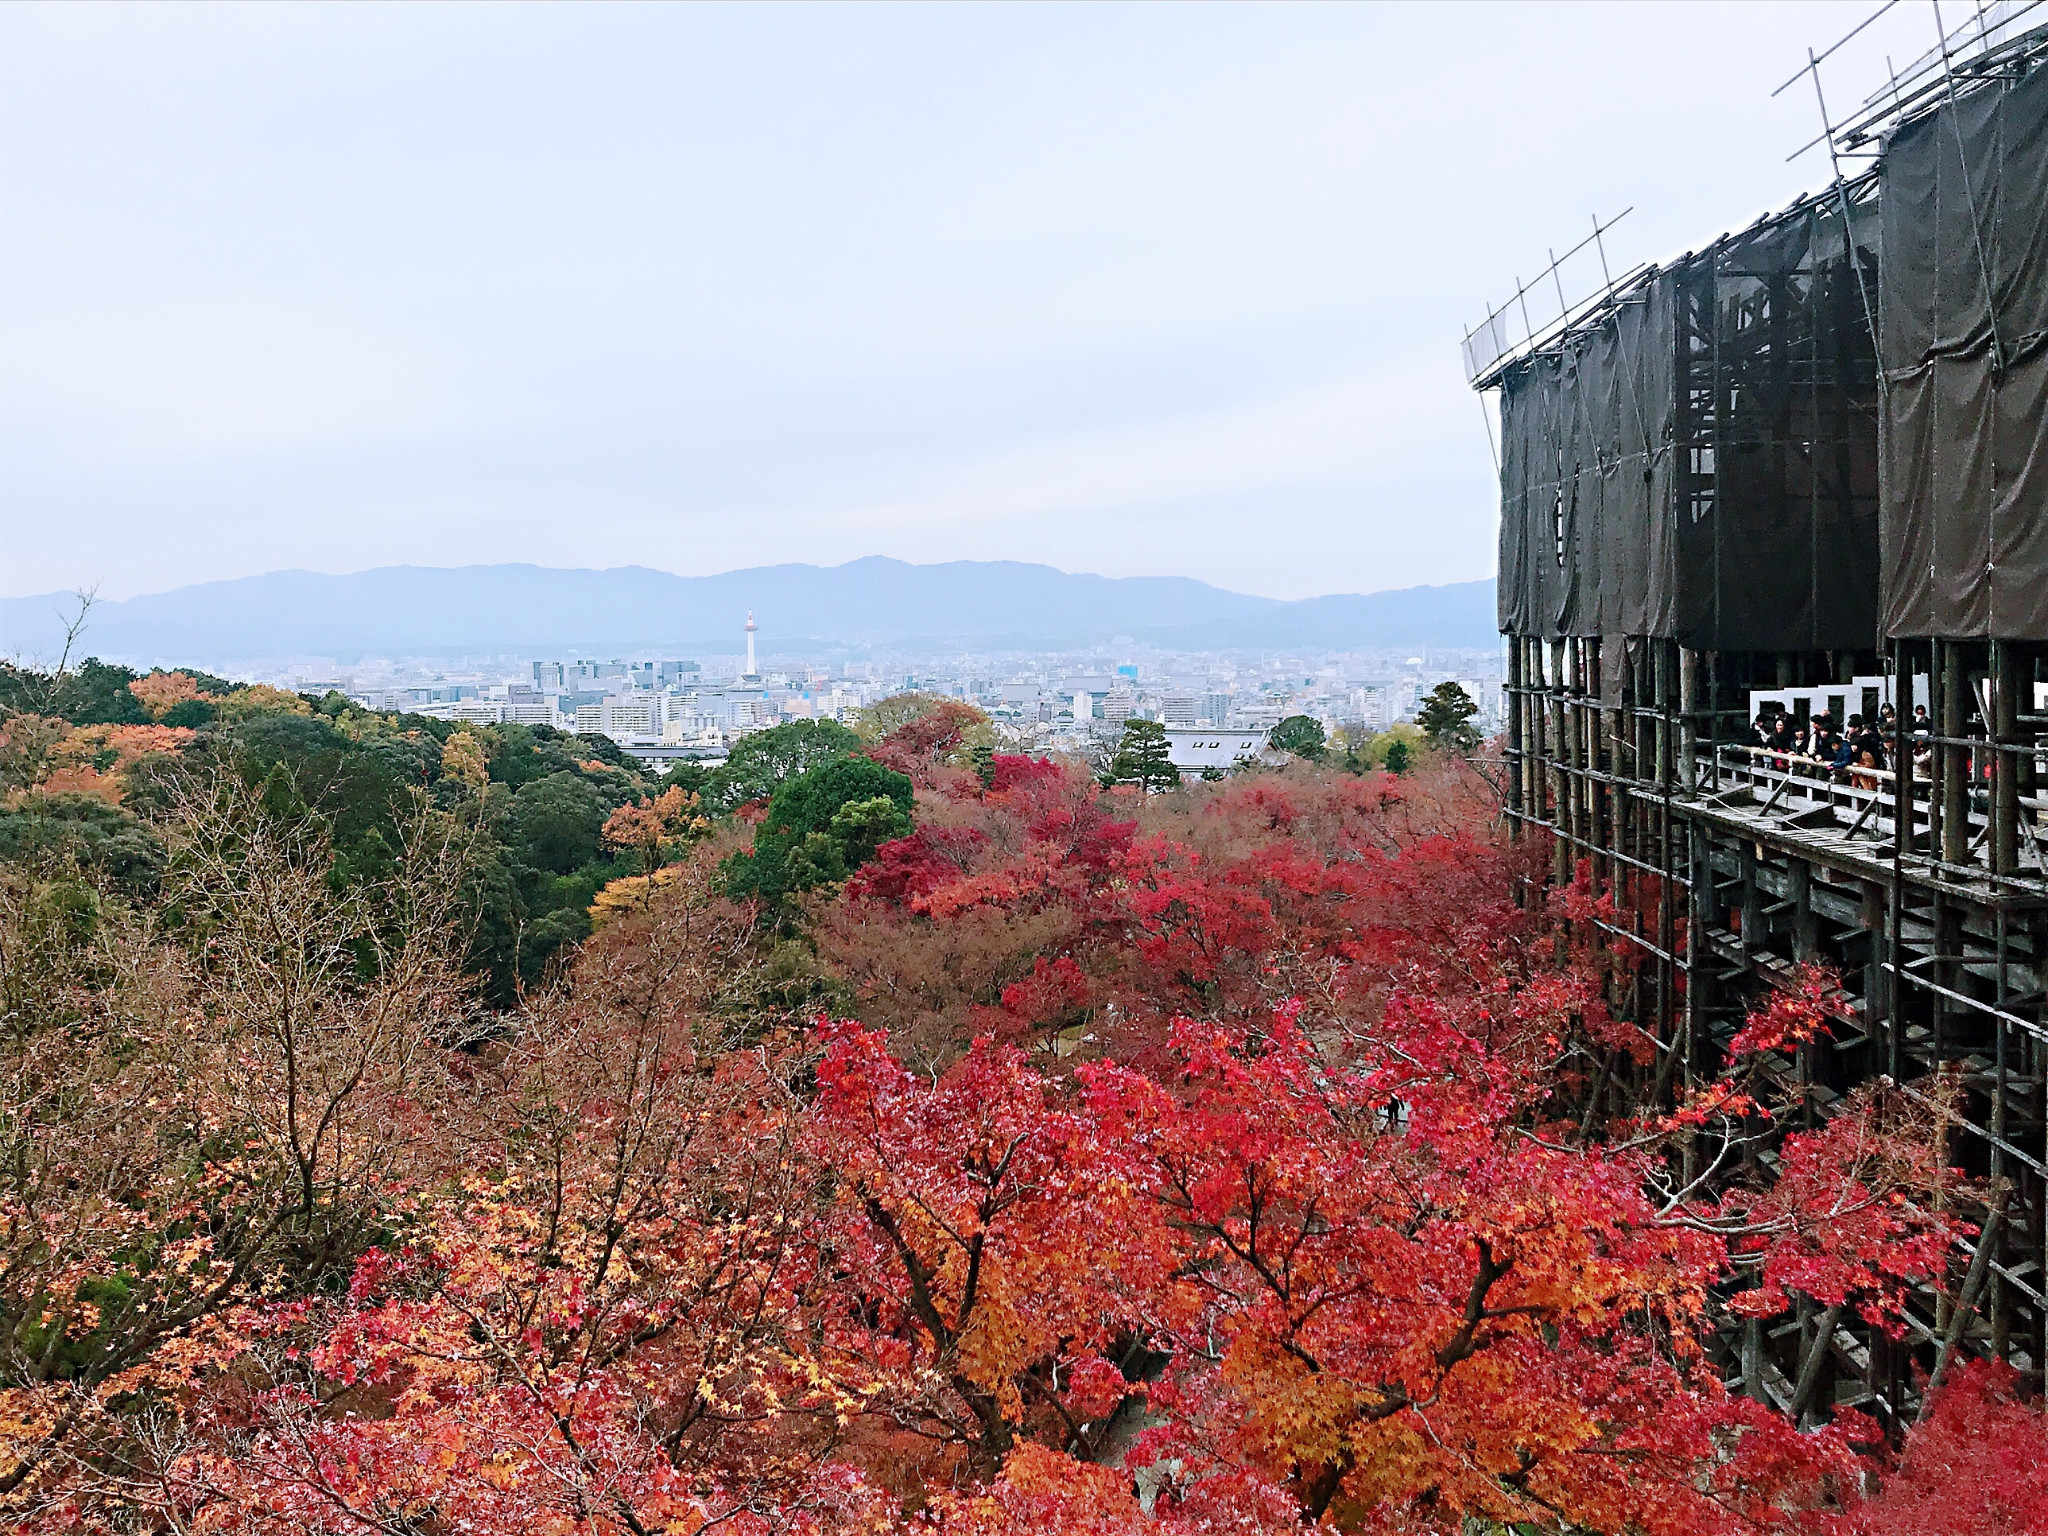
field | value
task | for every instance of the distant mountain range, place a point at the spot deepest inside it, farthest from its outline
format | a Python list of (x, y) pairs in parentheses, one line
[(530, 609)]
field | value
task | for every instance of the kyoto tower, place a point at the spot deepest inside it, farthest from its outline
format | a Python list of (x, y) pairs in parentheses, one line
[(751, 627)]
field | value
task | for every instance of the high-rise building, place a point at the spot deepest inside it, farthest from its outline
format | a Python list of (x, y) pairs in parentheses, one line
[(622, 716)]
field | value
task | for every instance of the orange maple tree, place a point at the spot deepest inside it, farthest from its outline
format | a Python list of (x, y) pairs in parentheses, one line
[(160, 691)]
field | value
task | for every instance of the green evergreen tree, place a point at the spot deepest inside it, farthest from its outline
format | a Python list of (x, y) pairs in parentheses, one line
[(97, 694), (190, 713), (1353, 760), (1446, 718), (1302, 736), (556, 824), (1143, 757), (762, 760), (1379, 751), (280, 797), (821, 826)]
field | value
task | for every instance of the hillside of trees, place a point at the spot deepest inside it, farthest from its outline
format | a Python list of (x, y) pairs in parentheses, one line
[(417, 1128)]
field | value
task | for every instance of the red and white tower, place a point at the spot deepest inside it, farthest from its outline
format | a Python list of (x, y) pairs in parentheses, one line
[(750, 643)]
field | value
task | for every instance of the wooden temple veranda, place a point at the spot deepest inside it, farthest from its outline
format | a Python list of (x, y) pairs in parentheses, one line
[(1810, 461)]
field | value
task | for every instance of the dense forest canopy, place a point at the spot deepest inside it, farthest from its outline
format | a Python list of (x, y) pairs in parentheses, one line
[(419, 1127)]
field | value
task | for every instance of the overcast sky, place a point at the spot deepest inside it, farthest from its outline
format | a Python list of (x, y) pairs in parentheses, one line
[(1134, 290)]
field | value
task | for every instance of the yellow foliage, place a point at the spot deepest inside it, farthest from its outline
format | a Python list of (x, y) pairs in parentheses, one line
[(633, 891), (646, 824), (262, 699), (1372, 747), (462, 759)]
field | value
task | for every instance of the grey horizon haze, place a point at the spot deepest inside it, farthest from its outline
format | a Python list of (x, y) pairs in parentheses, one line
[(870, 603), (1159, 291)]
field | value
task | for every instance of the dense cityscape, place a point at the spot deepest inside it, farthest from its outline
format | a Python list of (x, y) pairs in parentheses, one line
[(664, 708)]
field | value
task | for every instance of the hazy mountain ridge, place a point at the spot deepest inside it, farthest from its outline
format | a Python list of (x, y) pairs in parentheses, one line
[(989, 605)]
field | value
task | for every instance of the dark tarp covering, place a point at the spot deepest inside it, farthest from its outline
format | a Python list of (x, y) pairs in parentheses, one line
[(1965, 516), (1699, 463), (1586, 479)]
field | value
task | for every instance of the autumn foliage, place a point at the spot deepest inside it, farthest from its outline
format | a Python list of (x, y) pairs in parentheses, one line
[(1971, 1467), (1250, 1157)]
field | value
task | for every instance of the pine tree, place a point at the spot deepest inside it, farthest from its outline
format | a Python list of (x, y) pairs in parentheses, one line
[(1446, 718), (1301, 735), (1143, 758)]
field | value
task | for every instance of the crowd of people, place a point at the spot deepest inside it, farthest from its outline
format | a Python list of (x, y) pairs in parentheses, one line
[(1857, 752)]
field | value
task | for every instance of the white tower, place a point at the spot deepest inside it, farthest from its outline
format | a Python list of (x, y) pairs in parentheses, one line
[(750, 644)]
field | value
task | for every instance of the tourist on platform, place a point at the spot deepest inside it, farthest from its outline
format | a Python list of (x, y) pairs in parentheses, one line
[(1846, 745), (1821, 740), (1783, 742)]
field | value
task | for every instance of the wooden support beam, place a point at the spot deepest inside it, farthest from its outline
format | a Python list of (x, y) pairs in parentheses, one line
[(1818, 1345), (1753, 933), (1955, 761), (1688, 704), (1515, 742), (2004, 730), (1805, 929), (1966, 1299)]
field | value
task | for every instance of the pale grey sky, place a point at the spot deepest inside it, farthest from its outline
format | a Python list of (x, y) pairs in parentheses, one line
[(1136, 290)]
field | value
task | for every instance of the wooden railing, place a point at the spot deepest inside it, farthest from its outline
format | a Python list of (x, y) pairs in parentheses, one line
[(1863, 802)]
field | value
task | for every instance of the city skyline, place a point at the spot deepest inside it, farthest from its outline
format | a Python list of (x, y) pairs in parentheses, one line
[(672, 709)]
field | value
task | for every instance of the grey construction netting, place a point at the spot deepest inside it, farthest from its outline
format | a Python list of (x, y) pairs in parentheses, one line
[(1699, 462), (1586, 477), (1964, 318)]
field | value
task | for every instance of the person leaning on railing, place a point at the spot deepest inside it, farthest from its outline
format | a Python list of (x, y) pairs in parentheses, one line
[(1860, 747), (1827, 744), (1782, 740)]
